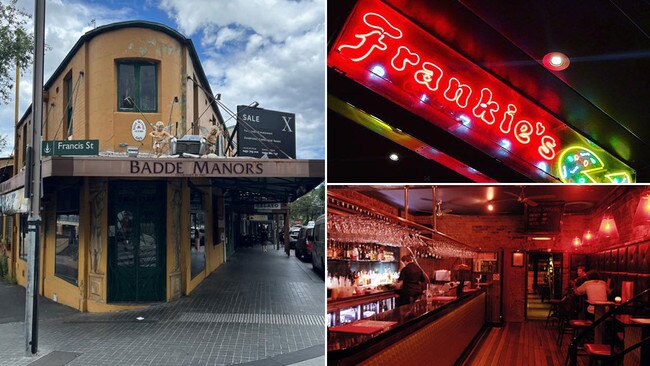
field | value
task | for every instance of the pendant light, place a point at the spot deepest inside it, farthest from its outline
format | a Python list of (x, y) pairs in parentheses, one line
[(587, 236), (608, 226), (576, 242), (642, 214)]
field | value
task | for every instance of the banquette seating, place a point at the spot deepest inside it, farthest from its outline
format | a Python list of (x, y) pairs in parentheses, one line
[(629, 263)]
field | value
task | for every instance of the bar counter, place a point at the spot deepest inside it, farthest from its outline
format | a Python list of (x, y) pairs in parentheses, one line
[(440, 331), (337, 304)]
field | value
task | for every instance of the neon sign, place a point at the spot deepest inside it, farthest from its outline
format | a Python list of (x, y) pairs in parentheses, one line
[(581, 165), (386, 52)]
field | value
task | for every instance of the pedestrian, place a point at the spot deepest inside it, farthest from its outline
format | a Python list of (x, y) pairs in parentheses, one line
[(264, 238)]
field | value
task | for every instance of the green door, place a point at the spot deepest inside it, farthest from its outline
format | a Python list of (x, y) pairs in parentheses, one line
[(136, 241)]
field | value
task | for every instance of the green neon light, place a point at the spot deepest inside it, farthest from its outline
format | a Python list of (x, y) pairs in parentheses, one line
[(579, 164)]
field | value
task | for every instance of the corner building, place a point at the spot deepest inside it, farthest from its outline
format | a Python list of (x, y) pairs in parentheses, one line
[(119, 231)]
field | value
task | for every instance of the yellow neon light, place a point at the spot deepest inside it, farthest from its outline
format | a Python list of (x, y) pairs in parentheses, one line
[(624, 177)]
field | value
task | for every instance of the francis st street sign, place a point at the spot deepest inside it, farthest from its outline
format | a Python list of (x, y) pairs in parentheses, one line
[(70, 147)]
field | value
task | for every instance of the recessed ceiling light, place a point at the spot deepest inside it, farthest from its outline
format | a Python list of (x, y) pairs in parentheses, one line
[(490, 207), (393, 157), (555, 61)]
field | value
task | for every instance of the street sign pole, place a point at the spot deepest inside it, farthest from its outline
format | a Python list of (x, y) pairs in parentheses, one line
[(34, 219)]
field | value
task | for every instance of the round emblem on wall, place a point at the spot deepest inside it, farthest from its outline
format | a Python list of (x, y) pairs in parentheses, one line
[(138, 130)]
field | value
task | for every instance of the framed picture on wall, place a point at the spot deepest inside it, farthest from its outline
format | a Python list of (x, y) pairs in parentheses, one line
[(517, 259)]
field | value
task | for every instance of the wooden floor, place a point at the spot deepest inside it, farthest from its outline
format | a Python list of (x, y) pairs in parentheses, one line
[(526, 343)]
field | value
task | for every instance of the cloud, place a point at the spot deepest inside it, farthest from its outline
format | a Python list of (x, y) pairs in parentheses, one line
[(276, 19), (272, 52), (65, 23)]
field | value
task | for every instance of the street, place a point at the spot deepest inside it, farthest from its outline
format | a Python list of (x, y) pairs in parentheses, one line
[(257, 309)]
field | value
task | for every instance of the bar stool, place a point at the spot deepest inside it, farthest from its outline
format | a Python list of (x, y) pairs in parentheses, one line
[(553, 311), (598, 352), (572, 326), (578, 324)]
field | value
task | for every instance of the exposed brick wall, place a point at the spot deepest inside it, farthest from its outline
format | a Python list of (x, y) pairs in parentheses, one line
[(491, 233)]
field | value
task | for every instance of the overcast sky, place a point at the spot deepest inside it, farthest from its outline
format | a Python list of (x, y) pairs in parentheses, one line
[(270, 51)]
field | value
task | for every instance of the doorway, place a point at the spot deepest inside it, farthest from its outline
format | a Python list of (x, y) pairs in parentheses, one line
[(543, 282), (136, 241)]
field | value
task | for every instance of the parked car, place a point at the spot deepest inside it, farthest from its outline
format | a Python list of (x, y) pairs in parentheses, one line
[(305, 242), (294, 231), (318, 248)]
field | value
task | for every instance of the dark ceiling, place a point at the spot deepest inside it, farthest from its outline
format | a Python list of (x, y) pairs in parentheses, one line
[(604, 94), (473, 199)]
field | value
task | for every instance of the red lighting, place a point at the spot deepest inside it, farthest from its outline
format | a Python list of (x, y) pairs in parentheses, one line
[(380, 48), (642, 214), (556, 61), (576, 242), (608, 227), (587, 236), (417, 64)]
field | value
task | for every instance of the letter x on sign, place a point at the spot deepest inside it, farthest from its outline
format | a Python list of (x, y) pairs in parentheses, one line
[(286, 119)]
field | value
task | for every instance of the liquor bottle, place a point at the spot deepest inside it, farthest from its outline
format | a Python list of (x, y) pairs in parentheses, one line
[(354, 255)]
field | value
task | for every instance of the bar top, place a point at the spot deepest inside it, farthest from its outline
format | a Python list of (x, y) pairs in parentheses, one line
[(333, 304), (405, 316)]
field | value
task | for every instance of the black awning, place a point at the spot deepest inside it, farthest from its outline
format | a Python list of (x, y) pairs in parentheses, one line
[(265, 189)]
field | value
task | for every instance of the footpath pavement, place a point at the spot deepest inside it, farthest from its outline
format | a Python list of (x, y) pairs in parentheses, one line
[(256, 309)]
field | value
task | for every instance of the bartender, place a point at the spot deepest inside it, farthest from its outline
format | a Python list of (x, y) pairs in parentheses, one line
[(412, 278), (463, 273)]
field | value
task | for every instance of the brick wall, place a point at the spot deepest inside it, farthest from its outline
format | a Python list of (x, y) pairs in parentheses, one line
[(491, 233)]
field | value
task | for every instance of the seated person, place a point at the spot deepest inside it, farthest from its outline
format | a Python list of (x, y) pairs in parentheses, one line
[(582, 276), (595, 289)]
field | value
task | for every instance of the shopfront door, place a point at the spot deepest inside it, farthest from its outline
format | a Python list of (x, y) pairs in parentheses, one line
[(136, 241)]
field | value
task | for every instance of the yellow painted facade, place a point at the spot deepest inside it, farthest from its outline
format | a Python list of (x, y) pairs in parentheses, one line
[(92, 68)]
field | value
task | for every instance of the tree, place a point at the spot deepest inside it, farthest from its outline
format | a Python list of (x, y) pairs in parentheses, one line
[(310, 206), (16, 46)]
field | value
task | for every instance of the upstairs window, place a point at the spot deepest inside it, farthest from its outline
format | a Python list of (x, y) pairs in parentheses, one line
[(67, 90), (137, 86)]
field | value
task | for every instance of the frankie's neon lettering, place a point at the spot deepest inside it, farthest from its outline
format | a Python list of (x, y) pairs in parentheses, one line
[(427, 74), (547, 150), (380, 28), (508, 118), (523, 130), (486, 107), (406, 57), (457, 92)]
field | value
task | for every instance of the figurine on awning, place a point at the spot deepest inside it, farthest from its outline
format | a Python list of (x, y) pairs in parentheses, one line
[(160, 138)]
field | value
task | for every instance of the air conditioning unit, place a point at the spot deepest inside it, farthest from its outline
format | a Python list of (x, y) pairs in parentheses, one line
[(191, 144)]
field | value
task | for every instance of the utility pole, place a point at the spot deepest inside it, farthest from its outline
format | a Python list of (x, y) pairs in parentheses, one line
[(34, 219)]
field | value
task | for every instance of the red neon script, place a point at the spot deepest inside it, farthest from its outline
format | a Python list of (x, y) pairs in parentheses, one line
[(420, 68)]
